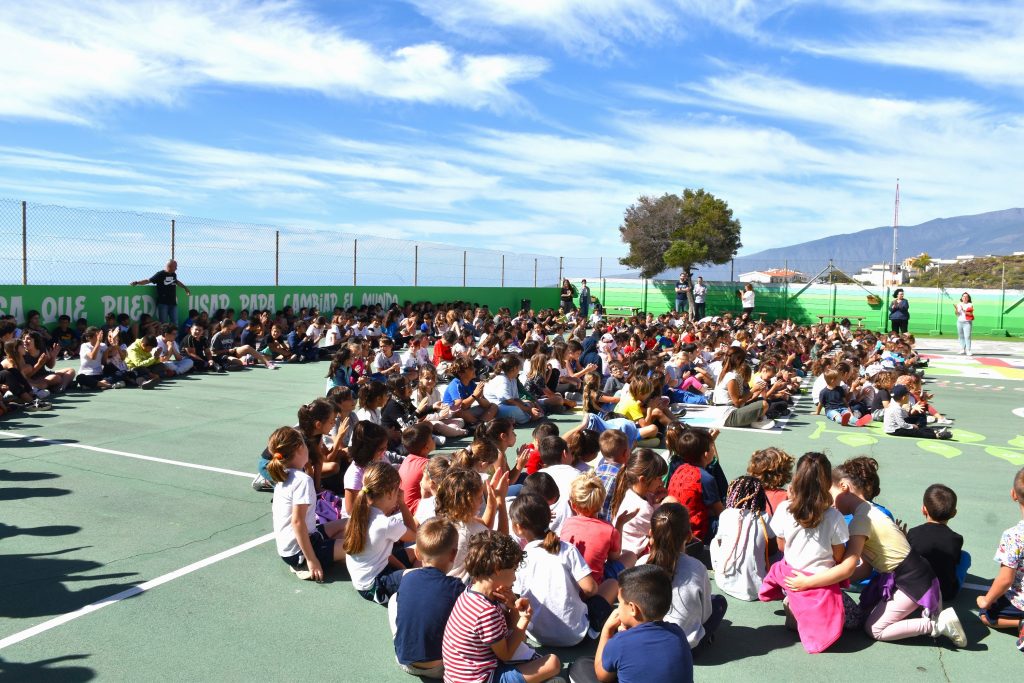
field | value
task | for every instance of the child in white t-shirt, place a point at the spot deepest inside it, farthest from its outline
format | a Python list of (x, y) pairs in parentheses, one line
[(379, 520), (306, 548), (554, 577)]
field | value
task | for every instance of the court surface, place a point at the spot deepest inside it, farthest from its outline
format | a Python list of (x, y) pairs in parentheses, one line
[(132, 546)]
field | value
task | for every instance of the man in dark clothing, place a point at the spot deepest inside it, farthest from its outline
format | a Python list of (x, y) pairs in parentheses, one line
[(166, 282)]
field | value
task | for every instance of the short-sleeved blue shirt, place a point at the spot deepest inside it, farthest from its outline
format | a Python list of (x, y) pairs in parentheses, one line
[(425, 600), (456, 390), (628, 654)]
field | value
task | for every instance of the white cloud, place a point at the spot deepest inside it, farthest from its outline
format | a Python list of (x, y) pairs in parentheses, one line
[(588, 27), (65, 59)]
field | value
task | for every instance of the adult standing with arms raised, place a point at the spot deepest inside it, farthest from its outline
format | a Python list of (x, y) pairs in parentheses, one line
[(682, 289), (584, 302), (167, 284), (899, 312), (964, 322), (700, 293)]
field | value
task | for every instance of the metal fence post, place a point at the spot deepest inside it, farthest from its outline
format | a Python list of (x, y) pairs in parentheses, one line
[(535, 273), (355, 259), (172, 239), (416, 266), (560, 277), (464, 268), (1002, 296), (600, 267), (277, 258), (785, 291), (502, 270), (24, 243)]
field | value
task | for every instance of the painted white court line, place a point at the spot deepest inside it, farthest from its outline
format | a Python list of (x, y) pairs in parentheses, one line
[(123, 454), (131, 592)]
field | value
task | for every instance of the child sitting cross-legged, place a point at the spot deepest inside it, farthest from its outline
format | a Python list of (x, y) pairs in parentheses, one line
[(419, 610), (940, 545), (744, 547), (694, 609), (306, 548), (1003, 605), (599, 542), (483, 641), (553, 576), (636, 644), (379, 520)]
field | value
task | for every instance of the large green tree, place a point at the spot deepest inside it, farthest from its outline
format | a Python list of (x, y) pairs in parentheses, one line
[(679, 232)]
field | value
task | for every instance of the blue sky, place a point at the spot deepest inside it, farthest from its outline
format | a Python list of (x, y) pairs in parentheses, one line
[(526, 125)]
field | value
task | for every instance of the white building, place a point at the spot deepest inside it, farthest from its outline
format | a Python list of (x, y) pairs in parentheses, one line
[(879, 275), (772, 275)]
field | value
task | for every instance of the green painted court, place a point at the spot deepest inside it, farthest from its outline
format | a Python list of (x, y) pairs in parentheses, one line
[(132, 546)]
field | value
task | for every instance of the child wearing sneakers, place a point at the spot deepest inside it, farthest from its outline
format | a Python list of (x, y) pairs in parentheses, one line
[(1003, 605), (484, 636), (419, 610), (835, 401)]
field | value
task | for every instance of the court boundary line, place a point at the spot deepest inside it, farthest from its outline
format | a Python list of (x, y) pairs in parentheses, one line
[(125, 454), (130, 592)]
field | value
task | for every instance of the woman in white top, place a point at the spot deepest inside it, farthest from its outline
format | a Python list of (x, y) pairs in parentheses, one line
[(729, 391), (747, 297), (964, 322)]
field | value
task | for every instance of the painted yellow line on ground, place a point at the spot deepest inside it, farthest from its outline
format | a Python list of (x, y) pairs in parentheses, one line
[(130, 592), (123, 454)]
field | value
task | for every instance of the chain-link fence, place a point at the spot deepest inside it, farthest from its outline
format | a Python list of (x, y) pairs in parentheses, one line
[(54, 245)]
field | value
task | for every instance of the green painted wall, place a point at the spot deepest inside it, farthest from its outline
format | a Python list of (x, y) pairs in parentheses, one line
[(94, 301), (931, 310)]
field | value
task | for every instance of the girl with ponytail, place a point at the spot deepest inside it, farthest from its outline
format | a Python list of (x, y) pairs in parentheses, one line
[(305, 547), (638, 486), (379, 521), (694, 609), (553, 577)]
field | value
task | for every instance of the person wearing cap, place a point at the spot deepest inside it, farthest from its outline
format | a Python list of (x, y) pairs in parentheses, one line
[(896, 414)]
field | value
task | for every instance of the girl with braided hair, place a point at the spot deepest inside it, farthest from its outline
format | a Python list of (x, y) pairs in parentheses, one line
[(744, 547)]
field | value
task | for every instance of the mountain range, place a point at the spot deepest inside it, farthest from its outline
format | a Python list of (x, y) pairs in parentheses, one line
[(994, 232)]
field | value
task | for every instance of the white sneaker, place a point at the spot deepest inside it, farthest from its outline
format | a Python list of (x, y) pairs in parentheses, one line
[(762, 424), (948, 625), (41, 393), (118, 385), (303, 574)]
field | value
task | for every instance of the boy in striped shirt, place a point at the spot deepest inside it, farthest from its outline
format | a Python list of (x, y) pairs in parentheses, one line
[(487, 627)]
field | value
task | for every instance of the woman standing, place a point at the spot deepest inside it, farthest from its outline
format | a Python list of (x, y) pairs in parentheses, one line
[(566, 297), (747, 297), (964, 322), (899, 312)]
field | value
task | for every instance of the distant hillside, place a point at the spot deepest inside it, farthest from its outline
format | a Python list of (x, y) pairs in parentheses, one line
[(982, 273), (996, 232)]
